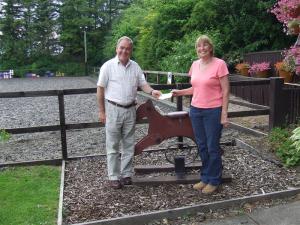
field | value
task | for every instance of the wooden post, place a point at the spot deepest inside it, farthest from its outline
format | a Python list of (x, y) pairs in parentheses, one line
[(278, 102), (179, 108), (171, 80), (62, 121)]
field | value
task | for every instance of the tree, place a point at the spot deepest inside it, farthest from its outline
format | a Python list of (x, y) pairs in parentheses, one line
[(13, 33)]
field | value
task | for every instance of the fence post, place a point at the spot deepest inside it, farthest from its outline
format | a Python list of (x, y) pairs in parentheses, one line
[(179, 108), (62, 121), (171, 80), (277, 111)]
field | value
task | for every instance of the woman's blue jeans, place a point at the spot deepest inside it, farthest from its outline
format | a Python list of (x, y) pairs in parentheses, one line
[(207, 129)]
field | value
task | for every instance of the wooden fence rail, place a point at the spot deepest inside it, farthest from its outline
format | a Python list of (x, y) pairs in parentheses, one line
[(63, 127)]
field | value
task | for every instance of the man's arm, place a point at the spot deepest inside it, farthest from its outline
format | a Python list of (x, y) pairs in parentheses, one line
[(149, 90), (101, 105)]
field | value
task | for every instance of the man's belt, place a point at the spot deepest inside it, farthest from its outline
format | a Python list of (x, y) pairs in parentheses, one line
[(122, 106)]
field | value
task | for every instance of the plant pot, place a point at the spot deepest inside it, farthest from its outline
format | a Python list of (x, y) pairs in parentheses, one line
[(262, 74), (295, 13), (244, 72), (286, 75), (294, 30)]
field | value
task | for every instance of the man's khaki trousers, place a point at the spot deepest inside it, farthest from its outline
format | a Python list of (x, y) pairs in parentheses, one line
[(120, 128)]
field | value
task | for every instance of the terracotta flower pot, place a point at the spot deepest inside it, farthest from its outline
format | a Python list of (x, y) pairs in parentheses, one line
[(286, 75), (244, 72), (262, 74)]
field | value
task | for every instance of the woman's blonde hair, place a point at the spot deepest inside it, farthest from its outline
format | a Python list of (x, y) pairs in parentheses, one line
[(205, 39)]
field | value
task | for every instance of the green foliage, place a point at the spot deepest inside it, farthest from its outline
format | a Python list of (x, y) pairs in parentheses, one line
[(154, 26), (184, 53), (71, 68), (163, 31), (128, 24), (29, 195), (246, 28), (40, 35), (4, 136), (284, 146), (296, 138)]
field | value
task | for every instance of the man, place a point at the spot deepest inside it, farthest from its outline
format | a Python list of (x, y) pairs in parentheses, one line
[(119, 79)]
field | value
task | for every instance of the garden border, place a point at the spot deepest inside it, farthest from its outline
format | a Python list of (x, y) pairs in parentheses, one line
[(174, 213), (61, 194)]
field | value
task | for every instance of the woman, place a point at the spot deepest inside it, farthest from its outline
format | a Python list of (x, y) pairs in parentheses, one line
[(208, 112)]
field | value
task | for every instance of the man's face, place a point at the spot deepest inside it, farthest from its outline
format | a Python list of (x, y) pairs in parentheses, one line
[(123, 51)]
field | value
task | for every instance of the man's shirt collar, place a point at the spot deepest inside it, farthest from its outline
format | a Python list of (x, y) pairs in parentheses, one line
[(118, 61)]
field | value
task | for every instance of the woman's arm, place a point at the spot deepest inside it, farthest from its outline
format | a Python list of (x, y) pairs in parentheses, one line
[(188, 91), (225, 92)]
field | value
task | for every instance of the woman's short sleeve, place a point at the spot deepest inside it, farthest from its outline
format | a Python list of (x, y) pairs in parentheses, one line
[(222, 70)]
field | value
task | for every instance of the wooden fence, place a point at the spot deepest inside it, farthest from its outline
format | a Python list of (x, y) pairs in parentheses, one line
[(257, 94), (63, 127)]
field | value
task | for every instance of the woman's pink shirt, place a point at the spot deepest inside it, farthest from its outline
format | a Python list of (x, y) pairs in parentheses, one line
[(207, 90)]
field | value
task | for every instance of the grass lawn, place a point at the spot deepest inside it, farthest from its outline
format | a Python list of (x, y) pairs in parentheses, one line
[(29, 195)]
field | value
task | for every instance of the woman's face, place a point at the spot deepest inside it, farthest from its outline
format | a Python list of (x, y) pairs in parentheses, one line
[(204, 50)]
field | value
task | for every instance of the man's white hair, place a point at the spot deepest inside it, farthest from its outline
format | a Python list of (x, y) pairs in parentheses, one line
[(125, 38)]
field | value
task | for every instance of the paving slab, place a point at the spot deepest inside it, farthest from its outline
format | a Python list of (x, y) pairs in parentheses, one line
[(287, 214)]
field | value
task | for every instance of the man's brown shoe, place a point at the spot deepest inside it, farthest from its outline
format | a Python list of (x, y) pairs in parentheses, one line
[(115, 184), (209, 189), (126, 181), (199, 186)]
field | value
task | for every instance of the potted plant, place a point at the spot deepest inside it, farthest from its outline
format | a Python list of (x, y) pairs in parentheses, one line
[(293, 26), (260, 69), (243, 68), (284, 71), (292, 59)]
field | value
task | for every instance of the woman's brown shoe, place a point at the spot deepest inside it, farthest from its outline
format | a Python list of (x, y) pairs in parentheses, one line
[(199, 186), (208, 189)]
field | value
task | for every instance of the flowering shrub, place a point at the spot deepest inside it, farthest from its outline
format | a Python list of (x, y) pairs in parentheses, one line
[(285, 10), (259, 67), (288, 12)]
